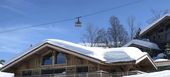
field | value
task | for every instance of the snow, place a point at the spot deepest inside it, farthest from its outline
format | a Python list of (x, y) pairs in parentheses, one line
[(159, 60), (165, 73), (108, 55), (153, 24), (1, 65), (143, 43), (4, 74)]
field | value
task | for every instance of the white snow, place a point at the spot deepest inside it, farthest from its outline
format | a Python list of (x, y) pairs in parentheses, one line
[(4, 74), (153, 24), (108, 55), (159, 60), (143, 43), (165, 73), (1, 65)]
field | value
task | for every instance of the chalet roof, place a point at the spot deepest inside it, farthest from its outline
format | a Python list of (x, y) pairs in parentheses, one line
[(109, 55), (142, 43), (154, 24)]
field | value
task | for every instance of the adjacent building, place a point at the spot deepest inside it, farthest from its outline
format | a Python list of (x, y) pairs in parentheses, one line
[(158, 32), (155, 40)]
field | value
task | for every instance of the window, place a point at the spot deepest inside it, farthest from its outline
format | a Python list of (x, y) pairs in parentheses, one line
[(82, 69), (53, 71), (60, 58), (47, 59), (26, 73), (47, 71)]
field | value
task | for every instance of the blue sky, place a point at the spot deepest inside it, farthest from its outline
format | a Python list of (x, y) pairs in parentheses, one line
[(20, 13)]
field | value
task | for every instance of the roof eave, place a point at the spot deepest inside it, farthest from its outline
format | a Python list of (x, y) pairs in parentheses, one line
[(154, 24)]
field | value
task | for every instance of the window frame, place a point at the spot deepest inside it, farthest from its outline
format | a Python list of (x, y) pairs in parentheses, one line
[(49, 52), (56, 58)]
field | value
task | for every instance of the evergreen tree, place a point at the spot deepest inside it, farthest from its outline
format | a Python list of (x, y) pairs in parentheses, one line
[(2, 62)]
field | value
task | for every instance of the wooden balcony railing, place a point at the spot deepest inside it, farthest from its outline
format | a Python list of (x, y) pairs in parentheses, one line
[(89, 74)]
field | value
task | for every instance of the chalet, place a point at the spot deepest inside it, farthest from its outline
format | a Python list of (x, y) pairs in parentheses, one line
[(155, 39), (58, 58), (157, 36), (158, 32)]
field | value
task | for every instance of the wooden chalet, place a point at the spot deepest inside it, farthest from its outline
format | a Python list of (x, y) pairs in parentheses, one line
[(57, 58)]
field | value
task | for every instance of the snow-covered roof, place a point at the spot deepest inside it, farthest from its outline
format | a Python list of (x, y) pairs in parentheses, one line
[(165, 73), (146, 44), (4, 74), (152, 25), (1, 65), (108, 55), (160, 60)]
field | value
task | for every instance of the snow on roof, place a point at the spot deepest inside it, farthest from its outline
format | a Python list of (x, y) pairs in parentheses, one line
[(1, 65), (153, 24), (108, 55), (160, 60), (4, 74), (143, 43), (165, 73)]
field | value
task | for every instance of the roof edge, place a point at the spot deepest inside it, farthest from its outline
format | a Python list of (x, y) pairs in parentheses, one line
[(152, 24)]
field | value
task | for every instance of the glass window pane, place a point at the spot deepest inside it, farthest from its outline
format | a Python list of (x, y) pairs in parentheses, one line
[(81, 69), (53, 71), (47, 59), (60, 58), (47, 71)]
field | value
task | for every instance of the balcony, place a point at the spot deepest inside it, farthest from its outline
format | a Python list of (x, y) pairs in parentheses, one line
[(89, 74)]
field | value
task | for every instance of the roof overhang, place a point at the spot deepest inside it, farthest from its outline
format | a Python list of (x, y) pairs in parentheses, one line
[(154, 24), (148, 60)]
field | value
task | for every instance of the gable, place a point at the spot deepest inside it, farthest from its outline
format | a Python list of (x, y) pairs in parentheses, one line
[(43, 49), (154, 24)]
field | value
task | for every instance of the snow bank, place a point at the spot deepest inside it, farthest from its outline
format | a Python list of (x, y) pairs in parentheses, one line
[(165, 73)]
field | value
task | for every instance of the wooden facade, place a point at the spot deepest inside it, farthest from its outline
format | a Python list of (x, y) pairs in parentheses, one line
[(160, 33)]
